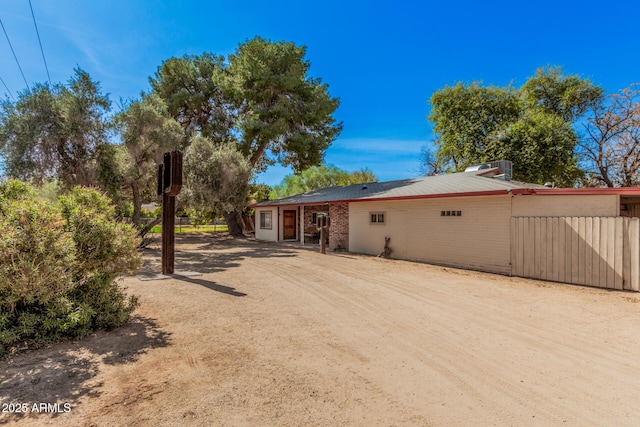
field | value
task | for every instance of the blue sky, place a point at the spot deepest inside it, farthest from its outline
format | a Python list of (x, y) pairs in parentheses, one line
[(382, 59)]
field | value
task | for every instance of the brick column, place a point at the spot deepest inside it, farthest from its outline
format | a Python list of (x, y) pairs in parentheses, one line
[(339, 229)]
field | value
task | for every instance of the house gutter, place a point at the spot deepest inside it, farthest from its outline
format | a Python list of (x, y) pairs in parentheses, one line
[(635, 191)]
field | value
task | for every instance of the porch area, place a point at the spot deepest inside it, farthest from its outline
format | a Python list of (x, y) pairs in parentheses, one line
[(297, 223)]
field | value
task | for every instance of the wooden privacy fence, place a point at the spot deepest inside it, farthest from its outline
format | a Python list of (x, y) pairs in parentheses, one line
[(600, 251)]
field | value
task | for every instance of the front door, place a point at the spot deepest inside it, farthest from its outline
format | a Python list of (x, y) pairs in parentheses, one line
[(289, 225)]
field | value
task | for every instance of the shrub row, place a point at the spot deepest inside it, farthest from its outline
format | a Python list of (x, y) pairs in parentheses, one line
[(59, 265)]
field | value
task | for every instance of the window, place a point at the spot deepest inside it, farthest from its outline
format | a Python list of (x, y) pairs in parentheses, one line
[(450, 213), (265, 220), (376, 217)]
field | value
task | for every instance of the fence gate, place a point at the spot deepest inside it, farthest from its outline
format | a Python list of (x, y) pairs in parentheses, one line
[(601, 251)]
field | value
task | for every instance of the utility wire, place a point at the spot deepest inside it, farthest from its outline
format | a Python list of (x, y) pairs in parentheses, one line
[(40, 42), (14, 54), (8, 91)]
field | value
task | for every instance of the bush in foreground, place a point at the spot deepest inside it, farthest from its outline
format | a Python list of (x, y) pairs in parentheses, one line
[(58, 265)]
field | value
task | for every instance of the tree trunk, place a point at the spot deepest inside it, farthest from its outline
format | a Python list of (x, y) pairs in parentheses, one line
[(231, 218), (243, 224), (144, 230), (137, 204)]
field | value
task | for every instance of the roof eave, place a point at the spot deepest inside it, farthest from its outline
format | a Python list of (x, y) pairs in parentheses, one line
[(390, 198)]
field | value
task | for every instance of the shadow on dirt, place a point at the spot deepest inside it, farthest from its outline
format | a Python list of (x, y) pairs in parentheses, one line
[(65, 372), (211, 285), (209, 253)]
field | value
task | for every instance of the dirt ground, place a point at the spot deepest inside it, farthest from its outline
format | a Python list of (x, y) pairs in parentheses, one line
[(273, 335)]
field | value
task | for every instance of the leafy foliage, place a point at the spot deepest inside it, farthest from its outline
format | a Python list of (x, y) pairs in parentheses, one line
[(147, 132), (259, 192), (320, 177), (55, 132), (191, 88), (59, 264), (465, 117), (261, 102), (199, 217), (280, 108), (568, 97), (532, 126), (217, 176), (543, 145)]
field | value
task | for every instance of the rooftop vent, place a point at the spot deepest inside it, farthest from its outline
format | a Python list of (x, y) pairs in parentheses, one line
[(474, 168), (505, 166)]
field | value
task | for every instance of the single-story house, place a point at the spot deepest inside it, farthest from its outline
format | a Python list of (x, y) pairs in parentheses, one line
[(479, 220)]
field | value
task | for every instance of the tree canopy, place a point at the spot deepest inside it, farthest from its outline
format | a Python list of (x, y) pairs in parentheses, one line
[(533, 126), (467, 117), (191, 87), (317, 177), (216, 176), (280, 108), (260, 101), (610, 147), (147, 132), (261, 98), (55, 132)]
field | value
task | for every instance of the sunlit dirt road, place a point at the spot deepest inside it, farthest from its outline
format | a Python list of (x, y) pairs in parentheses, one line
[(272, 335)]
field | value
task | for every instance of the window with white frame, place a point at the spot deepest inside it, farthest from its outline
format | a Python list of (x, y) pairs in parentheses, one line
[(377, 217), (265, 220)]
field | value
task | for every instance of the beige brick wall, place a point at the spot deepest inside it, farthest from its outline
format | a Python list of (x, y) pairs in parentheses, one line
[(478, 239), (339, 229), (310, 210)]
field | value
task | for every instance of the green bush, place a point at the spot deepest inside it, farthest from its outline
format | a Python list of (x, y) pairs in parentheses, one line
[(156, 213), (59, 263), (199, 217)]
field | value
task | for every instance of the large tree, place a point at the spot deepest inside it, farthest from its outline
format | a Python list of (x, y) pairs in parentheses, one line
[(55, 132), (317, 177), (217, 176), (280, 108), (261, 100), (533, 126), (466, 116), (147, 132), (191, 87), (569, 97), (610, 146)]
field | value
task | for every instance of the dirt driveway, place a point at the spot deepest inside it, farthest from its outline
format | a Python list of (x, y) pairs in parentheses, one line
[(272, 335)]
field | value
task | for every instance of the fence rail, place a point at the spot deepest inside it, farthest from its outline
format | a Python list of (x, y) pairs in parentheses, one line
[(601, 251)]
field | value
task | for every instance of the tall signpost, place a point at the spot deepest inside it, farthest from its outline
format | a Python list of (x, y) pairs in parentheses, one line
[(322, 224), (169, 185)]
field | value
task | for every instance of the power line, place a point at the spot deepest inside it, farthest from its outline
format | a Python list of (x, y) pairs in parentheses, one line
[(14, 54), (8, 91), (40, 42)]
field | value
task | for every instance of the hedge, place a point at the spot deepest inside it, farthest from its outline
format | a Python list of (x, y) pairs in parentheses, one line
[(59, 265)]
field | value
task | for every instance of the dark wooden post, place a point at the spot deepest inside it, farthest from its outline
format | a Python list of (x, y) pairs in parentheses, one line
[(322, 224), (169, 185), (168, 233)]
